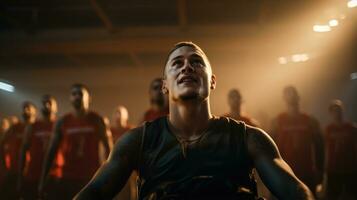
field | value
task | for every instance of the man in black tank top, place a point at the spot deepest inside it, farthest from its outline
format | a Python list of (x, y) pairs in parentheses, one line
[(192, 154)]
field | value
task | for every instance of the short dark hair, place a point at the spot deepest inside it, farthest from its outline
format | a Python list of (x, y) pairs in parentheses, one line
[(183, 44), (80, 85), (155, 80), (48, 96), (235, 90), (290, 88), (28, 103)]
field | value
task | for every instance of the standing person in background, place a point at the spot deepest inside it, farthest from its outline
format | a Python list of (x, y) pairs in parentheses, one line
[(4, 126), (121, 126), (35, 143), (13, 120), (235, 102), (158, 102), (300, 140), (341, 154), (77, 135), (120, 122), (10, 146), (235, 108)]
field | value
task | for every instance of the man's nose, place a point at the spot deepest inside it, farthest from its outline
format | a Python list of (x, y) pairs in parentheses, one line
[(187, 67)]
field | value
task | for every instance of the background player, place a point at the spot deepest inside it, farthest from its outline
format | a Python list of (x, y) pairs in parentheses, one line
[(300, 140), (341, 154), (10, 146), (35, 143), (158, 101), (77, 135)]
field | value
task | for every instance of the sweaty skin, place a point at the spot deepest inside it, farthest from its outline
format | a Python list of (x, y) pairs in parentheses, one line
[(188, 82)]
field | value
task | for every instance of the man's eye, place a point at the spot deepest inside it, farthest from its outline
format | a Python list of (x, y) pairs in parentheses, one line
[(177, 62), (197, 62)]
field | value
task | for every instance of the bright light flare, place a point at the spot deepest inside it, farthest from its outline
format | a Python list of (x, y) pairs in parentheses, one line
[(333, 23), (7, 87), (304, 57), (283, 60), (354, 76), (352, 3), (321, 28), (296, 58), (299, 57)]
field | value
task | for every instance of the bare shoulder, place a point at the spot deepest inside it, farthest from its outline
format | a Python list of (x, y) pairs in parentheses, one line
[(259, 143), (129, 144), (92, 115)]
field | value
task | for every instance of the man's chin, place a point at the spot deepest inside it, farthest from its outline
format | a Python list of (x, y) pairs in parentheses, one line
[(189, 96), (77, 106)]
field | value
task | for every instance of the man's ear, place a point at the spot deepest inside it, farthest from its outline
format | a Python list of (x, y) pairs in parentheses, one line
[(213, 82), (164, 88)]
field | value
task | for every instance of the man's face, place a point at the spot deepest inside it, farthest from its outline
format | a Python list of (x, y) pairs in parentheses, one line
[(336, 113), (5, 125), (188, 75), (120, 115), (234, 99), (79, 98), (49, 106), (155, 92), (291, 96), (29, 111)]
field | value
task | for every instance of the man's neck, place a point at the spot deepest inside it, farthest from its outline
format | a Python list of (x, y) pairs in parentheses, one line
[(121, 125), (30, 120), (80, 112), (235, 113), (49, 118), (293, 110), (338, 121), (191, 118), (157, 107)]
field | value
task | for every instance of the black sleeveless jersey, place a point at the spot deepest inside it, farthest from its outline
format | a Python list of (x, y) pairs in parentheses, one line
[(215, 167)]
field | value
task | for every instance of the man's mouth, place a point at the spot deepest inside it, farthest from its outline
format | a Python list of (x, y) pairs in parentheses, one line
[(187, 79)]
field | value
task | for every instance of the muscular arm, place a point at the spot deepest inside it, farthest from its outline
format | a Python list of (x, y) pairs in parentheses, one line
[(319, 148), (114, 173), (274, 171), (274, 129), (51, 153), (2, 153), (105, 136), (22, 159)]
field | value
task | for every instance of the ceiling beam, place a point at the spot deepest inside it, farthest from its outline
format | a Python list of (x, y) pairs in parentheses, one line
[(136, 60), (182, 13), (151, 40), (75, 60), (102, 15)]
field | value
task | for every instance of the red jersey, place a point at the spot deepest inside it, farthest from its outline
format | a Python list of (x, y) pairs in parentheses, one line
[(12, 146), (39, 139), (340, 141), (245, 119), (2, 170), (79, 146), (116, 133), (295, 139), (151, 114)]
